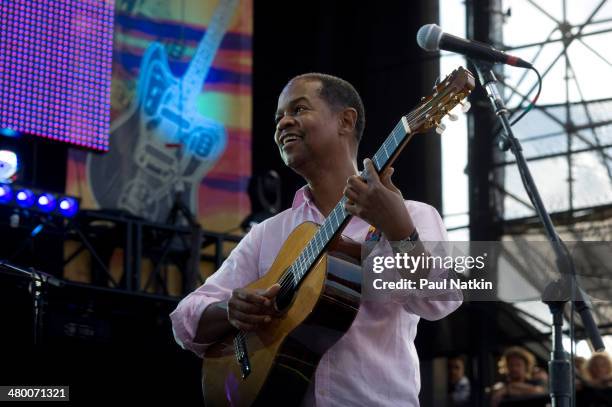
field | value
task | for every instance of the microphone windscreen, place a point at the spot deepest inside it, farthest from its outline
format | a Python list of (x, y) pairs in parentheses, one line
[(428, 37)]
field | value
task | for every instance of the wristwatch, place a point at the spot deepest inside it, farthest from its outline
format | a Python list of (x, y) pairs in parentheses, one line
[(409, 243)]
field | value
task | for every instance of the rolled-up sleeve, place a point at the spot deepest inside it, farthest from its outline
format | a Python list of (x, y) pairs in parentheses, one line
[(238, 270)]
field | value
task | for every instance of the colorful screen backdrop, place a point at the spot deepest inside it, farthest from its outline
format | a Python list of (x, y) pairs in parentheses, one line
[(180, 113), (55, 67)]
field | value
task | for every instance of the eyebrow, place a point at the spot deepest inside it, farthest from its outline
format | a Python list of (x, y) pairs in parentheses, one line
[(293, 102)]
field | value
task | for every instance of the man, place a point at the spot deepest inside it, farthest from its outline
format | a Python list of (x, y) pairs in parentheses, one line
[(319, 122), (459, 384)]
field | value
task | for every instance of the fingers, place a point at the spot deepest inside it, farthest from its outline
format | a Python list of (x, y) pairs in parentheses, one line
[(248, 309), (386, 174), (251, 296), (385, 179), (350, 207), (271, 291), (250, 318), (372, 173), (351, 195), (356, 210), (244, 320), (357, 184)]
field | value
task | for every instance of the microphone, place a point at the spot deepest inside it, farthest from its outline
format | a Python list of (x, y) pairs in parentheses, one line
[(430, 37)]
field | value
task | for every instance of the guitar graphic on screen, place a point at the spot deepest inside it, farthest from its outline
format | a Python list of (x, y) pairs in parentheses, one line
[(142, 173)]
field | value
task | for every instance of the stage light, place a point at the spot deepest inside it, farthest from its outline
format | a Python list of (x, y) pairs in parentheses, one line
[(6, 194), (24, 198), (46, 203), (68, 207), (9, 165), (9, 132), (35, 200)]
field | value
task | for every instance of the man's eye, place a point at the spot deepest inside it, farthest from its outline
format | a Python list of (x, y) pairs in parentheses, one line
[(300, 108)]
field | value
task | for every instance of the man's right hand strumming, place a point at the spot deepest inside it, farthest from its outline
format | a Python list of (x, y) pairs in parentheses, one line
[(247, 309)]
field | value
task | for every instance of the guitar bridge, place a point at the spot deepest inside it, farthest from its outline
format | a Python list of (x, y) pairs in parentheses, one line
[(242, 355)]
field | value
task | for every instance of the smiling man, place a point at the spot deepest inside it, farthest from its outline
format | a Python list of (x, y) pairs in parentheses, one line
[(319, 122)]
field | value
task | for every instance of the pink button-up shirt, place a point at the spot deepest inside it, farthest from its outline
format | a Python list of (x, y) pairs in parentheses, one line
[(375, 363)]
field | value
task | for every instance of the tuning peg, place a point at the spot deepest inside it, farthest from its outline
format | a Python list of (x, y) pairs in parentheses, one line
[(465, 106), (453, 117), (436, 83), (440, 128)]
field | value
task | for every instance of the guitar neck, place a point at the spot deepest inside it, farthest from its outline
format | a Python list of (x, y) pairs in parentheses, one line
[(393, 146), (339, 217)]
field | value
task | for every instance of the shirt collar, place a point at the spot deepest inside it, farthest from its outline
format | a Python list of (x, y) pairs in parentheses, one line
[(302, 196)]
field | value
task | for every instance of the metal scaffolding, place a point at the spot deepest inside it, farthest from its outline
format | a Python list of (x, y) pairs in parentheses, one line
[(577, 128)]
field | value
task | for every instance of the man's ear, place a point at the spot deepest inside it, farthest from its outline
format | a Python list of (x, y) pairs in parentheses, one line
[(348, 120)]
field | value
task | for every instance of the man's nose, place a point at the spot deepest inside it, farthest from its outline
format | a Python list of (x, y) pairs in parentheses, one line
[(286, 121)]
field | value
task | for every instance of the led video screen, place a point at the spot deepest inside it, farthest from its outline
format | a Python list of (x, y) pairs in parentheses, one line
[(55, 69)]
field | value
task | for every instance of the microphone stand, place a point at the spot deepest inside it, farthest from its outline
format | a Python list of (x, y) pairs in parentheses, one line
[(38, 283), (557, 293)]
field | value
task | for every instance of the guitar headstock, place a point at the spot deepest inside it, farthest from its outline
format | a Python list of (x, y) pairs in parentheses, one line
[(447, 94)]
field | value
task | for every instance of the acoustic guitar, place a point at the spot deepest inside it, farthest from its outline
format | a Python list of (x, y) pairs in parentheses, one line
[(320, 290)]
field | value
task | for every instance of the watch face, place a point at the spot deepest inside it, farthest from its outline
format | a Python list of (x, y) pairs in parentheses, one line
[(405, 245)]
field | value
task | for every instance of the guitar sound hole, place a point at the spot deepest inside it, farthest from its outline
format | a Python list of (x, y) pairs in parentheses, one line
[(284, 298)]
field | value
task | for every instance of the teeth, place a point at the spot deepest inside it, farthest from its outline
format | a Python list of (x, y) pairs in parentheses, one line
[(288, 139)]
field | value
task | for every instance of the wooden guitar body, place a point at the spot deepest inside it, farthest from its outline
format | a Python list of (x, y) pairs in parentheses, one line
[(286, 352)]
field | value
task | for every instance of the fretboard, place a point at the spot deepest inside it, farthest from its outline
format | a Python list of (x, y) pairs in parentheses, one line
[(339, 217)]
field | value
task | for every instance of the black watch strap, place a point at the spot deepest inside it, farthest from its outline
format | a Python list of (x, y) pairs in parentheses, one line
[(414, 236)]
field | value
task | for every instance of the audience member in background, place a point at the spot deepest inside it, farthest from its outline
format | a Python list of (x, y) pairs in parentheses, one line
[(599, 368), (582, 375), (458, 383), (518, 364)]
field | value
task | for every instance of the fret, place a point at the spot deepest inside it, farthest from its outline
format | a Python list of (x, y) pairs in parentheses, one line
[(394, 133), (397, 140), (386, 152), (319, 242), (304, 260), (377, 161), (335, 218), (296, 270), (304, 257), (301, 270), (332, 219), (314, 246), (406, 125), (296, 279)]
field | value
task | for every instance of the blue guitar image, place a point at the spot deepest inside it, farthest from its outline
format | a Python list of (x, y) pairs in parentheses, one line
[(140, 173)]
